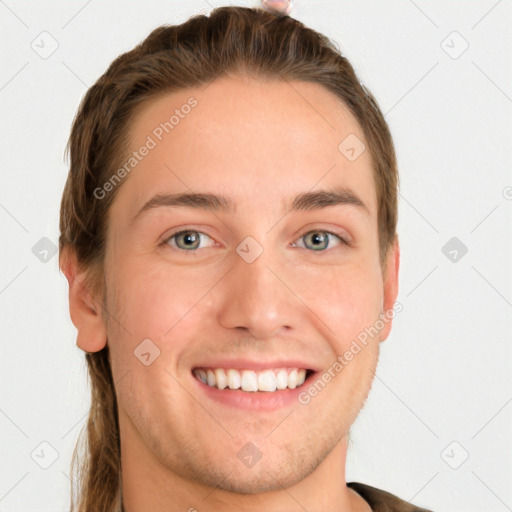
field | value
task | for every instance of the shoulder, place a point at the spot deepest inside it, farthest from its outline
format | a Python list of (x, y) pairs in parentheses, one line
[(383, 501)]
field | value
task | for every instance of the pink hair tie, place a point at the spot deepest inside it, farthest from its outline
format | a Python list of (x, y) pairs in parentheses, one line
[(282, 7)]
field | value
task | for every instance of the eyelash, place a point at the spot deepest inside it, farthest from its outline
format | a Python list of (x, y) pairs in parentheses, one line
[(165, 242)]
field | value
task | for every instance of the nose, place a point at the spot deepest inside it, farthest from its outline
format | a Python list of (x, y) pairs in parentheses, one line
[(256, 298)]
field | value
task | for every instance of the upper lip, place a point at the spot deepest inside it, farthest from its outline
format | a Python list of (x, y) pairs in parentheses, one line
[(251, 364)]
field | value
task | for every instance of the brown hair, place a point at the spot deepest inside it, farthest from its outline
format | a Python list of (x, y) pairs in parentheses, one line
[(229, 40)]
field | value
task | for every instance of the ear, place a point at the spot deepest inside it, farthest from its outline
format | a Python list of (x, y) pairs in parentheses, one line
[(390, 286), (84, 309)]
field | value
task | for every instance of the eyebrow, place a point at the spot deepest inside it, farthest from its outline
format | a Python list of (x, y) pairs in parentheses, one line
[(305, 201)]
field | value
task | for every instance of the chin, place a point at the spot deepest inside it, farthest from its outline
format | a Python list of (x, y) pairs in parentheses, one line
[(265, 479)]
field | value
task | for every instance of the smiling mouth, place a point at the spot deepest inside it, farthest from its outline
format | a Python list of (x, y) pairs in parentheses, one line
[(269, 380)]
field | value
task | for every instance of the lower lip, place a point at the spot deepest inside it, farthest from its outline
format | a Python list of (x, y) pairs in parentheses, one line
[(254, 400)]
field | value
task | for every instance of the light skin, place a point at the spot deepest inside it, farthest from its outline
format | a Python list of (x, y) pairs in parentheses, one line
[(259, 144)]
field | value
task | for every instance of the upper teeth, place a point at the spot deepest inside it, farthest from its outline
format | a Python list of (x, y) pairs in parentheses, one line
[(250, 380)]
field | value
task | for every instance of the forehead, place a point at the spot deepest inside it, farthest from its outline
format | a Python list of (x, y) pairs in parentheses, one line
[(258, 142)]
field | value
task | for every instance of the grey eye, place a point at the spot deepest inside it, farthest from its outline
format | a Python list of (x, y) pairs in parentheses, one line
[(319, 240), (186, 240)]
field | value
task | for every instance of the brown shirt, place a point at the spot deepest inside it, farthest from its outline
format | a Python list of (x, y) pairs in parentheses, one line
[(382, 501)]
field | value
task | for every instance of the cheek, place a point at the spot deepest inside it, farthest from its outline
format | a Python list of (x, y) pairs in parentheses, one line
[(153, 299), (349, 302), (154, 305)]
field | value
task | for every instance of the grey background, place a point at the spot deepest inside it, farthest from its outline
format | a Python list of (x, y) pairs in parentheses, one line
[(443, 389)]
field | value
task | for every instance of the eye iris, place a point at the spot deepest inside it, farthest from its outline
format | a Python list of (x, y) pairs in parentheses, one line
[(189, 236), (323, 237)]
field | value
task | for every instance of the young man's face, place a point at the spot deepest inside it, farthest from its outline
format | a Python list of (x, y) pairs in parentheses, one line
[(246, 288)]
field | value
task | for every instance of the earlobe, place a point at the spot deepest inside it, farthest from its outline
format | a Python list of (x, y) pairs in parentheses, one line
[(84, 309), (390, 287)]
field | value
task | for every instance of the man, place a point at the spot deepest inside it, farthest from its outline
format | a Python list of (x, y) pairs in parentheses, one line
[(228, 234)]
